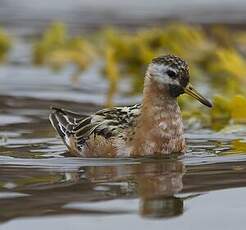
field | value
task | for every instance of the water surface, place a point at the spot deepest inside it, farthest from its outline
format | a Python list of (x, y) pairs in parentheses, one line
[(42, 186)]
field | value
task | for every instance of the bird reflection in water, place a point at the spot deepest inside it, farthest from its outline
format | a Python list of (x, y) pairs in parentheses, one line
[(155, 183), (157, 192)]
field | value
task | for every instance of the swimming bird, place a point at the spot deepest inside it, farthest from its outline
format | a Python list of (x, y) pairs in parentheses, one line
[(151, 128)]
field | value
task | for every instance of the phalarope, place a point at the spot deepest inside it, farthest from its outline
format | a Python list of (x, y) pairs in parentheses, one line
[(152, 128)]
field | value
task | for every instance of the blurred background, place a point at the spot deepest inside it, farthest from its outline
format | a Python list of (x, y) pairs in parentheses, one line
[(84, 55), (97, 52)]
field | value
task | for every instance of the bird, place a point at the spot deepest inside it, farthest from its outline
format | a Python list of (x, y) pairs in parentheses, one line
[(151, 128)]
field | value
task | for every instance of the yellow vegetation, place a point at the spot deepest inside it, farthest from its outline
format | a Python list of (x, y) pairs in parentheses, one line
[(238, 109), (56, 49), (5, 44), (216, 57), (228, 110)]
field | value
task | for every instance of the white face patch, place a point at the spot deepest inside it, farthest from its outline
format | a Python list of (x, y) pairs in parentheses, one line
[(158, 72)]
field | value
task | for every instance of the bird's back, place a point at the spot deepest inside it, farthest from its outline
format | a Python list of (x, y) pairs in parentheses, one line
[(97, 133)]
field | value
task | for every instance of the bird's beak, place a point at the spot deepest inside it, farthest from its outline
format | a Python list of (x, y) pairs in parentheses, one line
[(192, 92)]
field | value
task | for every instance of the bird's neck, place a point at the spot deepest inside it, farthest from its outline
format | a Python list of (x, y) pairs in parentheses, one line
[(159, 128), (156, 96)]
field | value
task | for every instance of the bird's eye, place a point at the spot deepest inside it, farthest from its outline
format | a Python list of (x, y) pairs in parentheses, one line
[(171, 73)]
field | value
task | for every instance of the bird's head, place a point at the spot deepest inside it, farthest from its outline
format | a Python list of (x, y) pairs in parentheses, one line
[(173, 73)]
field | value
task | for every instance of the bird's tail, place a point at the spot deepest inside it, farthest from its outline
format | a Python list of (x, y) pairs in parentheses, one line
[(64, 122)]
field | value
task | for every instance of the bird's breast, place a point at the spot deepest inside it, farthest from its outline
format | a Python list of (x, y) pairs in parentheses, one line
[(159, 132)]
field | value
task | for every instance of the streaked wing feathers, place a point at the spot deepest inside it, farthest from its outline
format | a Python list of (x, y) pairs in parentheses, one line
[(107, 122)]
